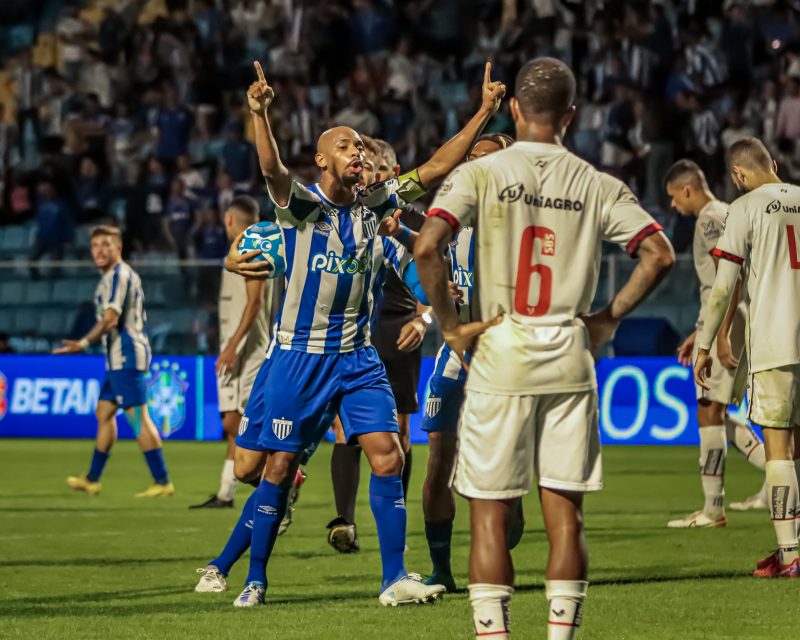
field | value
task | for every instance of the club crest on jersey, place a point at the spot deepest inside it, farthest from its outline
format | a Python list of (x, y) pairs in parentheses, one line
[(338, 265), (433, 406), (282, 428), (370, 226)]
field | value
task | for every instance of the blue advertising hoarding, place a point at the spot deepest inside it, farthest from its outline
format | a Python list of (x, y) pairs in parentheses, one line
[(643, 401)]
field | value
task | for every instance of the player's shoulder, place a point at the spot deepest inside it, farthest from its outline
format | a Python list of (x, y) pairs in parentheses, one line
[(714, 211)]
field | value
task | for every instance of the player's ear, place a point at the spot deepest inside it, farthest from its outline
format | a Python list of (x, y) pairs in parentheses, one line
[(513, 104), (320, 161), (775, 166), (567, 117)]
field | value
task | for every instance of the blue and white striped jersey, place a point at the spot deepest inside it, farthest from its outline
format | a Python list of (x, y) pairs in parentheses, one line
[(335, 262), (462, 261), (126, 345)]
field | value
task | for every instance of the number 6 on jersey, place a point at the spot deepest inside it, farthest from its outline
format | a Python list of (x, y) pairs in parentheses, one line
[(527, 266)]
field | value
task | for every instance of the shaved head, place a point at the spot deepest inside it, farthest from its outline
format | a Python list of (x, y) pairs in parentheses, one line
[(750, 154), (388, 152), (686, 172), (545, 90), (244, 210), (331, 136)]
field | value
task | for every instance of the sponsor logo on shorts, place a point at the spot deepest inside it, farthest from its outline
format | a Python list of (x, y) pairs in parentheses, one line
[(282, 428), (243, 423), (433, 406)]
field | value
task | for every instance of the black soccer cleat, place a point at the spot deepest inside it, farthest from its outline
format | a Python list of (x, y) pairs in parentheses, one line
[(343, 536), (213, 503)]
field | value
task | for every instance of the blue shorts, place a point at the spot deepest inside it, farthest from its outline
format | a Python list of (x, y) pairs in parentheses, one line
[(443, 408), (302, 392), (126, 388)]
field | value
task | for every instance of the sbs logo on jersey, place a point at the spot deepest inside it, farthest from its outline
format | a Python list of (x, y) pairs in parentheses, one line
[(282, 427), (3, 395), (166, 396)]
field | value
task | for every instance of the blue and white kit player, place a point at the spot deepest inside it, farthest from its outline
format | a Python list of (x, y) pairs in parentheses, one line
[(323, 357), (121, 326)]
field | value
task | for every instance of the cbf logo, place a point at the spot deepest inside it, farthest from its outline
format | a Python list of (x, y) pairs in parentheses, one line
[(331, 263), (3, 395), (166, 396), (282, 427)]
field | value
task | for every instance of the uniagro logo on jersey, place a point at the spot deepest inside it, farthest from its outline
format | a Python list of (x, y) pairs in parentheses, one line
[(166, 396), (515, 192), (3, 395), (776, 206)]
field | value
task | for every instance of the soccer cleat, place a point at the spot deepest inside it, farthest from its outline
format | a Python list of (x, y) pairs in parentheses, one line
[(343, 536), (299, 478), (410, 589), (698, 520), (212, 581), (294, 496), (287, 520), (448, 582), (214, 502), (82, 483), (757, 501), (253, 595), (157, 491), (772, 568)]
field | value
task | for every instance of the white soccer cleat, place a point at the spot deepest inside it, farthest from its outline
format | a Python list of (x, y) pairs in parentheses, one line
[(212, 581), (757, 501), (410, 590), (698, 520), (253, 595)]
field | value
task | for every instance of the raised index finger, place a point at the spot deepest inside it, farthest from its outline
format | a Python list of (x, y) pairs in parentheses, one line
[(259, 71), (487, 72)]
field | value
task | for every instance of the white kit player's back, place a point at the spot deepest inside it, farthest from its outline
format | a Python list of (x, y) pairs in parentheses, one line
[(541, 214)]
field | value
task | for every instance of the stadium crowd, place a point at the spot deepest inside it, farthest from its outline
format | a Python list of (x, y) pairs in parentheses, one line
[(133, 110)]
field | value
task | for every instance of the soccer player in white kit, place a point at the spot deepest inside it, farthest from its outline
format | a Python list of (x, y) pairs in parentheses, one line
[(686, 185), (246, 312), (540, 215), (763, 230)]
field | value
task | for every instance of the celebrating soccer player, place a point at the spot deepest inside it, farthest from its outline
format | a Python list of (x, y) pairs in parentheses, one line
[(763, 231), (686, 185), (120, 325), (540, 215), (323, 356)]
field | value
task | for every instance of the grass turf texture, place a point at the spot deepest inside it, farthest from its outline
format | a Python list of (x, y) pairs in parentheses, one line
[(75, 566)]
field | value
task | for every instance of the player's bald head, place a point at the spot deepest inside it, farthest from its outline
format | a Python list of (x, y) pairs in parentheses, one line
[(751, 155), (545, 90), (685, 173), (329, 138)]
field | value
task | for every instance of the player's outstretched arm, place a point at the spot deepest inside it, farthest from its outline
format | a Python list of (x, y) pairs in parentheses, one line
[(104, 325), (656, 258), (259, 97), (453, 152)]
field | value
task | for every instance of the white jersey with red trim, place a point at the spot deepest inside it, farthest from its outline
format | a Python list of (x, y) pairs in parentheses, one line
[(540, 215), (763, 230), (707, 232)]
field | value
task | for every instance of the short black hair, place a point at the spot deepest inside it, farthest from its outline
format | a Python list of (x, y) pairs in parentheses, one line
[(686, 171), (749, 153), (387, 152), (545, 89), (247, 208)]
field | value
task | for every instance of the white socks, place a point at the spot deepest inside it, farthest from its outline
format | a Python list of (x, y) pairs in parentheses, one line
[(565, 603), (745, 441), (712, 469), (783, 504), (490, 609), (227, 482)]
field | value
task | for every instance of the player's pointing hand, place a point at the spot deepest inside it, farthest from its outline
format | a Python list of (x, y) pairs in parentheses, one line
[(260, 94), (493, 91)]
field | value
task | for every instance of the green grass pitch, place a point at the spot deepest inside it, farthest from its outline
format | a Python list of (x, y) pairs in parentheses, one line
[(110, 566)]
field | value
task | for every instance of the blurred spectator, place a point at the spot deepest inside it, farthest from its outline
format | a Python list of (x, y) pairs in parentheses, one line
[(357, 116), (90, 192), (174, 124), (84, 320), (5, 345), (788, 125), (8, 140), (26, 82), (210, 239), (179, 219), (73, 33), (54, 223), (239, 156)]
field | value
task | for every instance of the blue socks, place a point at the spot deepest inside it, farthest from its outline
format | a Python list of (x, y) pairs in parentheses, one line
[(269, 507), (389, 508), (158, 468), (239, 540), (99, 459), (439, 535)]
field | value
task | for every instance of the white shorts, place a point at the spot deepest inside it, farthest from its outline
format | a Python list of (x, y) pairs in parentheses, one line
[(775, 397), (504, 440), (233, 389)]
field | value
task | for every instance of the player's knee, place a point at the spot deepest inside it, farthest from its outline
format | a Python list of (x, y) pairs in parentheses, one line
[(230, 423), (281, 467), (389, 461)]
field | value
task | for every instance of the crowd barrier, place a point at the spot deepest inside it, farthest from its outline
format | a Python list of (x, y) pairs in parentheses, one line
[(642, 401)]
